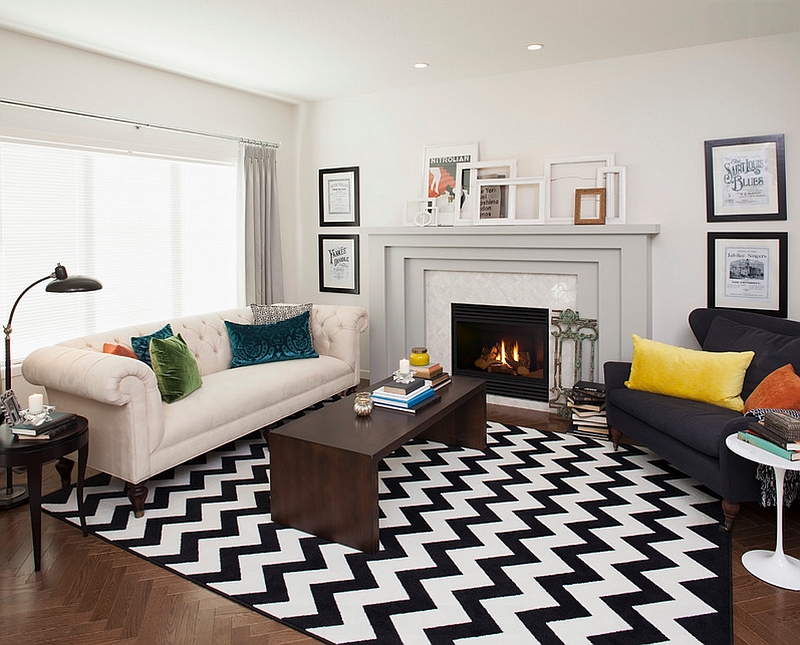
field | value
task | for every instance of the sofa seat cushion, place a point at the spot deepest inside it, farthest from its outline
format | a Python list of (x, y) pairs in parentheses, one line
[(693, 423), (235, 394)]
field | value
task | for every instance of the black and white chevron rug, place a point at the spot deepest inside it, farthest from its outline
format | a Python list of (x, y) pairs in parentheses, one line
[(542, 538)]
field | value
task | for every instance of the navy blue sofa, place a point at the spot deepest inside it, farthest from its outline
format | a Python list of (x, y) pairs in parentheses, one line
[(689, 434)]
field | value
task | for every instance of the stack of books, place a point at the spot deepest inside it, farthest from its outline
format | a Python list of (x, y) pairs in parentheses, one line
[(55, 423), (433, 374), (406, 397), (587, 402), (779, 434)]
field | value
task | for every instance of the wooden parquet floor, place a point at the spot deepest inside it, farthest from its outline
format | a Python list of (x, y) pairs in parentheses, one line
[(91, 593)]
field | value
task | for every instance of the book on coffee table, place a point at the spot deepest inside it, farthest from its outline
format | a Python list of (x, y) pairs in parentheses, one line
[(57, 421)]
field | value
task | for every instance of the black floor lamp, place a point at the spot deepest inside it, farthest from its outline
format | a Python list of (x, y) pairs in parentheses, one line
[(60, 283)]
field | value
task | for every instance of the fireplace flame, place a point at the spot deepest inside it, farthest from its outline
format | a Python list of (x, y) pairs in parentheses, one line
[(504, 355)]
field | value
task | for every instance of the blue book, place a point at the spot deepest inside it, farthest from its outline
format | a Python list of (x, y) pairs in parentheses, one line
[(421, 394)]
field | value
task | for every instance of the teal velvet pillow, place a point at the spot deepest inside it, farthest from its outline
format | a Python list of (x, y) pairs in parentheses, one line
[(281, 341), (175, 366), (141, 344)]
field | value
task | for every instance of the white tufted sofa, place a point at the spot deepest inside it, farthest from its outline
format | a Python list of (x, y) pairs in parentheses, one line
[(134, 435)]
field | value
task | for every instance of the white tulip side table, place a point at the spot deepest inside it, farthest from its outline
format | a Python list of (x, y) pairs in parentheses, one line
[(774, 567)]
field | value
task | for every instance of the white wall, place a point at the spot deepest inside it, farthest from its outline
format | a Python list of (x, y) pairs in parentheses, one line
[(653, 111)]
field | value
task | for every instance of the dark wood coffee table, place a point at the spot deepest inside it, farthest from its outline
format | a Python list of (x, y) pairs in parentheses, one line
[(324, 465)]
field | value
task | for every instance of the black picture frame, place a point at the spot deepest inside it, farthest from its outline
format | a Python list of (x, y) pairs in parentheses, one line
[(10, 407), (339, 263), (746, 179), (748, 271), (339, 197)]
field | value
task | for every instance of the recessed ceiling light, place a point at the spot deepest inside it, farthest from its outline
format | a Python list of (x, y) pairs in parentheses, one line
[(535, 46), (420, 65)]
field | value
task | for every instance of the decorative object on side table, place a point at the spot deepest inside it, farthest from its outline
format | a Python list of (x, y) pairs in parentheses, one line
[(746, 179), (61, 282)]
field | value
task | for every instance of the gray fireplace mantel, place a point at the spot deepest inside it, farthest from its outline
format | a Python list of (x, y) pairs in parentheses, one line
[(612, 264)]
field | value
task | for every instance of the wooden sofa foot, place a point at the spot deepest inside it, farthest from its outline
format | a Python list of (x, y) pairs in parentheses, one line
[(137, 493), (64, 469), (730, 511), (615, 437)]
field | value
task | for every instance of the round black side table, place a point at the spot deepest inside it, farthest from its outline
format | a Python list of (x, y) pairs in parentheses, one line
[(32, 454)]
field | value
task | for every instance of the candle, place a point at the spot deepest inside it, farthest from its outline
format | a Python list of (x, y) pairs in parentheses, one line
[(35, 403), (405, 366)]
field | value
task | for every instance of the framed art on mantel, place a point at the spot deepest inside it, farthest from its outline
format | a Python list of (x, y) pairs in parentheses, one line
[(338, 197), (441, 175), (748, 271), (338, 263), (745, 179)]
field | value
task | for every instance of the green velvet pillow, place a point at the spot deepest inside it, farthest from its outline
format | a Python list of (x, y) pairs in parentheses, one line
[(141, 344), (175, 366), (710, 377), (281, 341)]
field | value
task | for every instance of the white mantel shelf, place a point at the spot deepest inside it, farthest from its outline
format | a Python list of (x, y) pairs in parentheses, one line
[(612, 265)]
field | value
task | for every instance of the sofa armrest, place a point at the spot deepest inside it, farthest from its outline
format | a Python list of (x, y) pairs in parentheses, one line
[(89, 374), (337, 330), (615, 374)]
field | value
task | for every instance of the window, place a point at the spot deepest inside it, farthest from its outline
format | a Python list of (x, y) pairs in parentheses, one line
[(159, 233)]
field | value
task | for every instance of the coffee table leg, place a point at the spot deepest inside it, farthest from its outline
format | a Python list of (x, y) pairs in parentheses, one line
[(34, 468)]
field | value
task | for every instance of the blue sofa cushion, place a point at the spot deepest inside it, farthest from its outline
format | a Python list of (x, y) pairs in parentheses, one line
[(772, 350), (695, 424)]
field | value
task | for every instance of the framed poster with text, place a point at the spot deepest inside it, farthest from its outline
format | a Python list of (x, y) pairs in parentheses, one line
[(338, 197), (745, 179), (441, 175), (338, 263), (748, 271)]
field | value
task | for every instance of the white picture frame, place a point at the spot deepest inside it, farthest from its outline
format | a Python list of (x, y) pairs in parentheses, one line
[(614, 180), (563, 176), (516, 206), (467, 205), (421, 212)]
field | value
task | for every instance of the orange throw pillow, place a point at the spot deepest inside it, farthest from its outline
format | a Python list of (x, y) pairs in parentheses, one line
[(780, 389), (119, 350)]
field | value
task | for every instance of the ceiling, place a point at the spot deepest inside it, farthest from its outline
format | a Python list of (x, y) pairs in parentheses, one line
[(311, 50)]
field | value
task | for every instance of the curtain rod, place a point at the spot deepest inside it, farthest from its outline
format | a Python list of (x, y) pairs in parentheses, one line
[(137, 124)]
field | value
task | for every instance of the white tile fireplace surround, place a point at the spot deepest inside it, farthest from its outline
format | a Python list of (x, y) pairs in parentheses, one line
[(602, 272)]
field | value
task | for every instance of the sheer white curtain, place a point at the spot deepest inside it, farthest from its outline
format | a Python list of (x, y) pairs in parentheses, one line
[(263, 262)]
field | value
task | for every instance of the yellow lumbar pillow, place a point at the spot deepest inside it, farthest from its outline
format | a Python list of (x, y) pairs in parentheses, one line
[(710, 377)]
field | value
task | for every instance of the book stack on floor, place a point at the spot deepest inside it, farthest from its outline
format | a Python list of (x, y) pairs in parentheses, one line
[(55, 423), (433, 374), (587, 402), (779, 434), (405, 397)]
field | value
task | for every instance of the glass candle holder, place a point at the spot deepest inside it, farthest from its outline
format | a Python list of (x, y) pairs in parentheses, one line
[(362, 405)]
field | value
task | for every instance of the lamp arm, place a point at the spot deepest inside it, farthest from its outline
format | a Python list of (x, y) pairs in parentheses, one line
[(7, 330)]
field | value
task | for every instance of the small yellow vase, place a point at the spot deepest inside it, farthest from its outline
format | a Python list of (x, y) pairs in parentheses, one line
[(419, 356)]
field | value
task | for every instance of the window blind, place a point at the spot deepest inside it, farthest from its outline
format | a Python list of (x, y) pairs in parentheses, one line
[(160, 233)]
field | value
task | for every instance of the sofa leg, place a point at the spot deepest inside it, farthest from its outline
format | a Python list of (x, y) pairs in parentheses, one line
[(615, 437), (137, 493), (730, 511), (64, 469)]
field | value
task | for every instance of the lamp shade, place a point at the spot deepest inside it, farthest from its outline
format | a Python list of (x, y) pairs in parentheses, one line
[(73, 284)]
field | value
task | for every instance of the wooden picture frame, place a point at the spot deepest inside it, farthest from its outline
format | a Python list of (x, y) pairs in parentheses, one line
[(746, 179), (748, 271), (339, 263), (590, 206), (339, 197)]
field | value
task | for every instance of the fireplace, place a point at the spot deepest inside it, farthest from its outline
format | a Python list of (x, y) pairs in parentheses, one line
[(506, 346)]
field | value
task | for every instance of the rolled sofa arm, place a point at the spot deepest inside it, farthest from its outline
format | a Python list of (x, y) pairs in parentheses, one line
[(89, 374), (337, 329)]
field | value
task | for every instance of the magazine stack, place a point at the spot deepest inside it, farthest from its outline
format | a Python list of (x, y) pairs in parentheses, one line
[(587, 403), (405, 397), (779, 434)]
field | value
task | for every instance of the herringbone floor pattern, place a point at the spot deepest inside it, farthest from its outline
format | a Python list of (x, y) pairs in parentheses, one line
[(91, 593)]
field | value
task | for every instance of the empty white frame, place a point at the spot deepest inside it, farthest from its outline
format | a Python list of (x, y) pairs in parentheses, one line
[(469, 173), (421, 212), (612, 178), (562, 177), (524, 200)]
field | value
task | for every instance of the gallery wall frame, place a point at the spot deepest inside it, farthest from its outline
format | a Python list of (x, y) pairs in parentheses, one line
[(339, 197), (513, 210), (440, 174), (746, 179), (748, 271), (339, 263), (470, 173), (590, 206), (563, 176)]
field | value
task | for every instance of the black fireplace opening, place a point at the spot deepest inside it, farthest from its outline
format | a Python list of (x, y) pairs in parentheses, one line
[(506, 346)]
